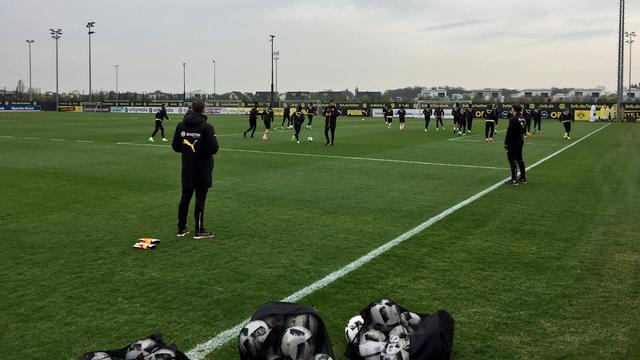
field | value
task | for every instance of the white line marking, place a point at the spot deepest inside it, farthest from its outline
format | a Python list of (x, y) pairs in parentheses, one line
[(8, 137), (201, 350), (57, 139), (460, 138), (31, 138), (84, 141)]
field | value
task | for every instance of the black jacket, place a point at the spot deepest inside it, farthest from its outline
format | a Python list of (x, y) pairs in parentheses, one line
[(196, 140), (439, 112), (253, 115), (331, 112), (537, 114), (298, 117), (402, 113), (515, 131), (427, 113), (469, 114), (267, 115), (162, 114), (528, 114)]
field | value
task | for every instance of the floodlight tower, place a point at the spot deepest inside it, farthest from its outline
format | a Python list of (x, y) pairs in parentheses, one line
[(271, 41), (30, 91), (90, 25), (117, 93), (56, 35), (620, 61), (184, 82), (214, 79), (630, 36), (276, 57)]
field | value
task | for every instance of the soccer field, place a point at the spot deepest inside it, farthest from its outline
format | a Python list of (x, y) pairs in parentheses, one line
[(547, 270)]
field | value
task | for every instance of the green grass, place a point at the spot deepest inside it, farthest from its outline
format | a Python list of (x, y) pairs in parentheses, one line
[(547, 270)]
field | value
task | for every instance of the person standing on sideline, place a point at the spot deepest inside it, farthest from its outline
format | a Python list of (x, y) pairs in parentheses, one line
[(311, 111), (490, 122), (439, 113), (528, 117), (513, 144), (160, 116), (427, 117), (402, 113), (331, 114), (286, 116), (537, 120), (469, 115), (298, 120), (253, 121), (267, 118), (566, 119), (196, 140)]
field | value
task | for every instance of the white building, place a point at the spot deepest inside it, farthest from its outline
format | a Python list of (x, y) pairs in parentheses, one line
[(633, 94), (488, 94), (585, 94), (535, 93), (433, 93)]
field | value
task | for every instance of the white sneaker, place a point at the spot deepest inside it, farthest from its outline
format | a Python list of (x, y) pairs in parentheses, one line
[(151, 139), (425, 130), (163, 139), (298, 142)]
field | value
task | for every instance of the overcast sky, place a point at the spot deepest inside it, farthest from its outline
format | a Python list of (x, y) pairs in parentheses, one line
[(371, 44)]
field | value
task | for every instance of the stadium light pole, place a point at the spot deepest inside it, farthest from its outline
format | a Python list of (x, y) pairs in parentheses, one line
[(117, 93), (184, 82), (620, 61), (90, 25), (630, 35), (30, 91), (271, 41), (276, 57), (56, 34), (214, 79)]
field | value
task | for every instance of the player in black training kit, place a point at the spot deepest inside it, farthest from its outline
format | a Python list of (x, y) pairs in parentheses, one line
[(253, 121), (469, 114), (537, 120), (267, 119), (160, 115), (514, 142), (462, 121), (286, 116), (311, 110), (528, 117), (490, 122), (427, 117), (298, 120), (331, 114), (389, 116), (566, 120), (402, 113), (456, 117), (439, 114), (196, 140)]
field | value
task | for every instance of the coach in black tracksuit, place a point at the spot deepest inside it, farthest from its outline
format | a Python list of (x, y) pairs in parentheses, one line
[(331, 114), (253, 121), (490, 122), (427, 117), (537, 120), (196, 140), (469, 114), (528, 117), (160, 116), (514, 142)]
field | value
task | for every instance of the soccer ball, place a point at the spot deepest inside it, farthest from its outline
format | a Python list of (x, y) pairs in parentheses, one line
[(385, 315), (371, 350), (297, 343), (353, 328), (372, 335), (307, 321), (393, 352), (410, 321), (252, 337), (322, 357), (310, 139), (161, 354), (96, 356), (400, 335), (141, 348)]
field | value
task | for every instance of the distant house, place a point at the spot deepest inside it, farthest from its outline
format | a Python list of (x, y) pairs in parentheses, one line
[(368, 94), (488, 94), (433, 93), (336, 95), (529, 93), (265, 96), (298, 95), (585, 94), (633, 94)]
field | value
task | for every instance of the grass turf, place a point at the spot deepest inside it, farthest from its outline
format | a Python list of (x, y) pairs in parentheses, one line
[(549, 270)]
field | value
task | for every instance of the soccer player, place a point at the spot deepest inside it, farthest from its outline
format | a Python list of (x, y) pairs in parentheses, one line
[(160, 116), (196, 140), (439, 113), (311, 111), (456, 112), (385, 112), (462, 121), (331, 114), (490, 122), (513, 144), (402, 113), (286, 116), (267, 119), (537, 120), (253, 118), (469, 115), (528, 117), (566, 120), (427, 117), (298, 120), (389, 117)]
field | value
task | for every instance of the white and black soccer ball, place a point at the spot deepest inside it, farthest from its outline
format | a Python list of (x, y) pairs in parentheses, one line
[(372, 335), (307, 321), (385, 315), (393, 352), (400, 335), (297, 343), (161, 354), (410, 320), (99, 355), (371, 350), (141, 348), (253, 336), (353, 328), (322, 357), (310, 139)]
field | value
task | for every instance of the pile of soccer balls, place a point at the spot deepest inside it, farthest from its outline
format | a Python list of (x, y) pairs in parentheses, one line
[(144, 349), (387, 336), (296, 342)]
